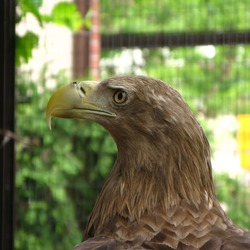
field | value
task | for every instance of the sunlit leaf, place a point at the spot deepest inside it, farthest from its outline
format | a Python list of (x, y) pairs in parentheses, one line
[(65, 13), (31, 6), (24, 46)]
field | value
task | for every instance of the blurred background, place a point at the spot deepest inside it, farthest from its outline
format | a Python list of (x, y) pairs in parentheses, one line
[(200, 47)]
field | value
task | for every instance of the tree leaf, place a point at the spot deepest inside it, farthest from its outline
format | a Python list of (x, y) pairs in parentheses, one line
[(24, 46), (65, 13), (31, 6)]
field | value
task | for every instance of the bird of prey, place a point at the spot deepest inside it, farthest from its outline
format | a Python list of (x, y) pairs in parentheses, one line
[(160, 193)]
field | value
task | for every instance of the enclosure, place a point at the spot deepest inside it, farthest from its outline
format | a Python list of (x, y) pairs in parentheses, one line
[(201, 48)]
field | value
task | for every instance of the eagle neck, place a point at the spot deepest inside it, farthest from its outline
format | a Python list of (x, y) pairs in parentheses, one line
[(158, 171)]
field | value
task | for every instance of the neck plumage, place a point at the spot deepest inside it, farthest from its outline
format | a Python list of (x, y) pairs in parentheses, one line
[(148, 176)]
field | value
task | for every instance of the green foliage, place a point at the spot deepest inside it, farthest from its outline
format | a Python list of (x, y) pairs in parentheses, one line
[(234, 195), (32, 7), (173, 16), (24, 46), (63, 13)]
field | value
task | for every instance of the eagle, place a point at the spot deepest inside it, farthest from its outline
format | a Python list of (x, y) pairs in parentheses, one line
[(160, 192)]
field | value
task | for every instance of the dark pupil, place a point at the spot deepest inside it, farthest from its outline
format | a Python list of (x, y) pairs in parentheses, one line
[(120, 96)]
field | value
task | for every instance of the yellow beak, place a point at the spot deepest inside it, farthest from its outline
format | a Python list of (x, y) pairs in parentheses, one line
[(74, 101)]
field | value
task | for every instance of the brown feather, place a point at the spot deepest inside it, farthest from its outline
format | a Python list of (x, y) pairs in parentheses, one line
[(160, 192)]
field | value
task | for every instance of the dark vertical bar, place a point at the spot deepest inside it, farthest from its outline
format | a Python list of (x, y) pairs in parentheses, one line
[(7, 112)]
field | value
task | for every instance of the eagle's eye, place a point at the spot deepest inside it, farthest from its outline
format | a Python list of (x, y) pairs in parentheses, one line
[(120, 97)]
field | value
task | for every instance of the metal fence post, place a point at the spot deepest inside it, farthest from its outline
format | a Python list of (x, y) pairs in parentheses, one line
[(7, 117)]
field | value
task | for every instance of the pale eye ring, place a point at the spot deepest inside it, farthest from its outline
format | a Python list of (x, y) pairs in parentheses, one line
[(120, 97)]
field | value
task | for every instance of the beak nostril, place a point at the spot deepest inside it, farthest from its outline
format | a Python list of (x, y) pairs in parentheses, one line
[(83, 91)]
